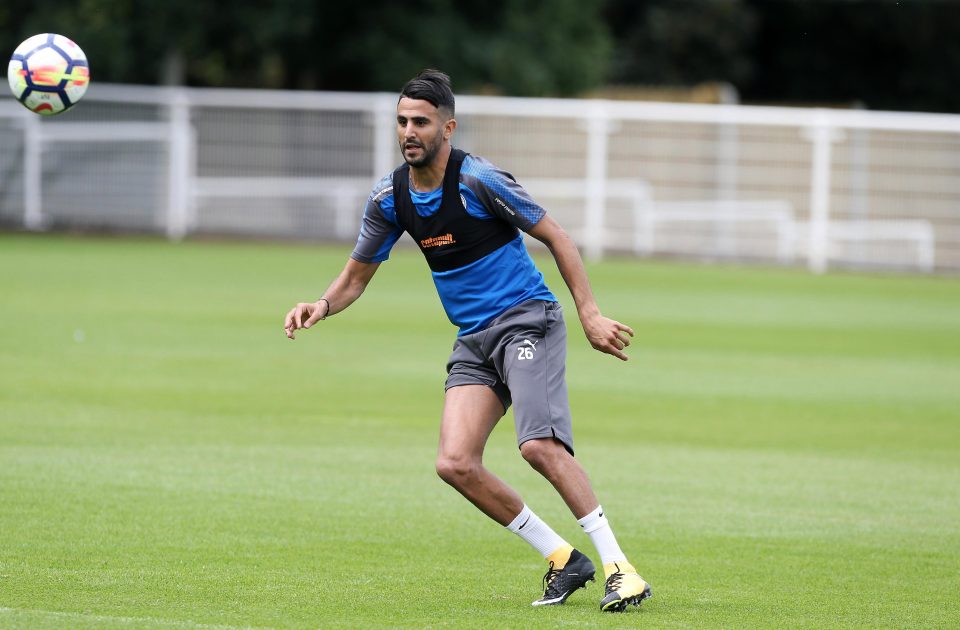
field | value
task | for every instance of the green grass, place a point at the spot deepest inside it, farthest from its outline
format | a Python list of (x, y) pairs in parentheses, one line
[(782, 450)]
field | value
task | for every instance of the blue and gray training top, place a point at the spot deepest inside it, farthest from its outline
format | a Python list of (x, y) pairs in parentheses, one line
[(478, 292)]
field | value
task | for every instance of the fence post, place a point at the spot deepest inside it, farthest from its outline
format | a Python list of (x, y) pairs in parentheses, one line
[(384, 139), (598, 129), (179, 192), (822, 135), (32, 173), (728, 150)]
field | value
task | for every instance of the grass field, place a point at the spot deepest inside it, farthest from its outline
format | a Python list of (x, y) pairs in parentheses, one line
[(782, 450)]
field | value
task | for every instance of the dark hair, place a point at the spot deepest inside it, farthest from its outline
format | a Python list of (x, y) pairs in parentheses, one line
[(432, 86)]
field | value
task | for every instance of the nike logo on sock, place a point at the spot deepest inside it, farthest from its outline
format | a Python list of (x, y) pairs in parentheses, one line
[(524, 524)]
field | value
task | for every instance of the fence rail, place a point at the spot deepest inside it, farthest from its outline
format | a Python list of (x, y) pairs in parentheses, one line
[(844, 188)]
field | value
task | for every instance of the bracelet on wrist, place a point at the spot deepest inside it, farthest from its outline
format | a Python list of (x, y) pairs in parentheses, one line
[(327, 302)]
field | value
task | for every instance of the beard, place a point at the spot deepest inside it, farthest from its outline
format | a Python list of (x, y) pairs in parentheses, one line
[(428, 152)]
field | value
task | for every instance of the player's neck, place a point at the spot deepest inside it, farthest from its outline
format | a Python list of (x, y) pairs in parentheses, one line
[(430, 176)]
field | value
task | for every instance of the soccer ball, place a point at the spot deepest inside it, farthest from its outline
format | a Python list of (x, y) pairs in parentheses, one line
[(48, 73)]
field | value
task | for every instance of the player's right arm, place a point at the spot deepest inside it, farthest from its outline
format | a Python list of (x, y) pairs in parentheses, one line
[(378, 233), (343, 292)]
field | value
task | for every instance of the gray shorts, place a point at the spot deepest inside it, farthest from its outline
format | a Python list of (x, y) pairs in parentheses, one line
[(522, 357)]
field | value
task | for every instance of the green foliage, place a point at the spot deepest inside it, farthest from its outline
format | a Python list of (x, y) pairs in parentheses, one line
[(373, 45), (564, 45), (516, 47), (782, 450), (884, 54), (682, 42)]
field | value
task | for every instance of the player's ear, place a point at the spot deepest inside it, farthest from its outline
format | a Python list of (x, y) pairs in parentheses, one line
[(448, 128)]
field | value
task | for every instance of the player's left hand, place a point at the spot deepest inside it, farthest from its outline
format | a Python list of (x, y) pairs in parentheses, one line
[(608, 335)]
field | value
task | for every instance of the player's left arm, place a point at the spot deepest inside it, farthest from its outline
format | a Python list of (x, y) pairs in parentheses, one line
[(604, 334)]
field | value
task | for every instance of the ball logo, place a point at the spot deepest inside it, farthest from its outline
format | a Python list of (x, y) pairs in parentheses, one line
[(53, 76)]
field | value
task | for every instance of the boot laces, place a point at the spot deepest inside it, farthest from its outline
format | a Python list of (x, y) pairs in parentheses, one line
[(550, 580), (613, 582)]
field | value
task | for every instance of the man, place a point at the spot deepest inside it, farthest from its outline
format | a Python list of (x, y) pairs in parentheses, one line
[(465, 215)]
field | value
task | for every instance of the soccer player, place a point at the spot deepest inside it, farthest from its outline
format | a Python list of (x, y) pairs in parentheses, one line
[(466, 216)]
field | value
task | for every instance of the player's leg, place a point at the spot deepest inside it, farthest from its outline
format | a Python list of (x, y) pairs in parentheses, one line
[(551, 459), (537, 380), (470, 413)]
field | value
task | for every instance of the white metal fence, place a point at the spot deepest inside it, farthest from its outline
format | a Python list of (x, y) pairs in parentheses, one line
[(819, 187)]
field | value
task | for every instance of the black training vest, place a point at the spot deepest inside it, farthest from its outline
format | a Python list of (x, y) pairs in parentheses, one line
[(450, 238)]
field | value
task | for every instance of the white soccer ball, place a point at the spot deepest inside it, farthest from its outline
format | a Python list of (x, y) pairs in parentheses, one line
[(48, 73)]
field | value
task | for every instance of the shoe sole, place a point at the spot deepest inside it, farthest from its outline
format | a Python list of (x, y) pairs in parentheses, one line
[(560, 600), (620, 605)]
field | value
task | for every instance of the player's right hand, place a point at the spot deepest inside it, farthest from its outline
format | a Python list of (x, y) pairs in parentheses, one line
[(303, 315)]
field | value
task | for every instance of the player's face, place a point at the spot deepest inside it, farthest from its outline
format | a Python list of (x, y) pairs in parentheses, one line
[(421, 131)]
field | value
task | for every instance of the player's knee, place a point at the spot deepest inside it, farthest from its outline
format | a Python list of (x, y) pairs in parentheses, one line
[(457, 471), (544, 454)]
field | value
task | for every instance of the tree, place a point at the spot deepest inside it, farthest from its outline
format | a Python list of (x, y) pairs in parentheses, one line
[(522, 47), (517, 47), (681, 42), (885, 55)]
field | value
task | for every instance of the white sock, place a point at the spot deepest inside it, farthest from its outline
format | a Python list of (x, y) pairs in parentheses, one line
[(528, 526), (595, 524)]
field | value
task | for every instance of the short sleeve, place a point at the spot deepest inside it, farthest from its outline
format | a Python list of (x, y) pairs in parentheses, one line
[(379, 230), (500, 193)]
